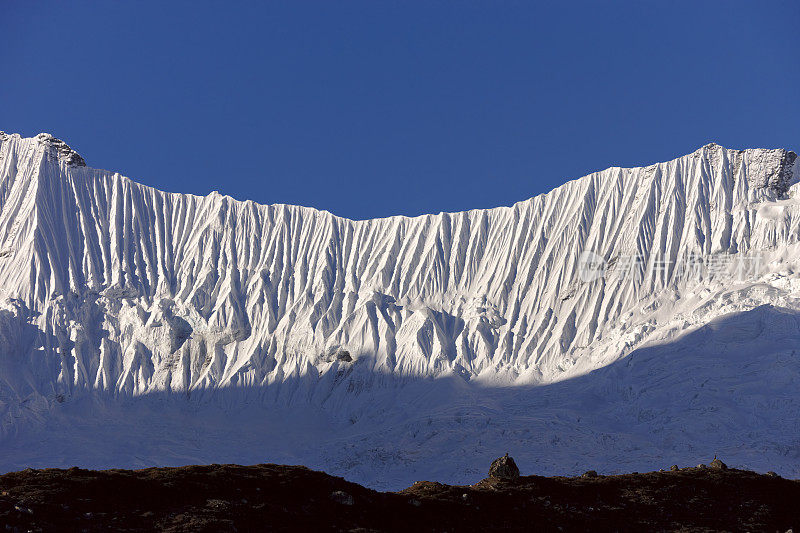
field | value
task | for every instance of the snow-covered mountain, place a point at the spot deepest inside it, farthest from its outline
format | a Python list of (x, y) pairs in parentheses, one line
[(124, 303)]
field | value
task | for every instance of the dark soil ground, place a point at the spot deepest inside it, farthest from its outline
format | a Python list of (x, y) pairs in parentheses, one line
[(273, 497)]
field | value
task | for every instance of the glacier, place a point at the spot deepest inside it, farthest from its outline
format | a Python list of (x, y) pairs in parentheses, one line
[(140, 327)]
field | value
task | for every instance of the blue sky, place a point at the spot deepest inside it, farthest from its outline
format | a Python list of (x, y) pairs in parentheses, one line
[(378, 108)]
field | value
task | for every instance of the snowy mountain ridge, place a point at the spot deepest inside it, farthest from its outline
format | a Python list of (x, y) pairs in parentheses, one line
[(110, 286)]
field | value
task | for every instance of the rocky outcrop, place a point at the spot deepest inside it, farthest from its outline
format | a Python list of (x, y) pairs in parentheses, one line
[(504, 468), (60, 150), (716, 464)]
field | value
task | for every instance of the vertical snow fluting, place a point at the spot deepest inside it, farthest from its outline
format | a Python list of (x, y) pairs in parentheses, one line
[(112, 287)]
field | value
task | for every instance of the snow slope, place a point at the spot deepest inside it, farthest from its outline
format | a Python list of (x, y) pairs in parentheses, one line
[(142, 327)]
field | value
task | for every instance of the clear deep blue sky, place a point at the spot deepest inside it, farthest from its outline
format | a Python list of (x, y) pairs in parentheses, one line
[(378, 108)]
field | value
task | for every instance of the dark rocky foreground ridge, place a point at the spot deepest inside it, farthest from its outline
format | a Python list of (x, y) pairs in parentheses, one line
[(274, 497)]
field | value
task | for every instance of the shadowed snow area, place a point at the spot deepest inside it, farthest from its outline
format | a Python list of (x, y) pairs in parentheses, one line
[(146, 328), (727, 388)]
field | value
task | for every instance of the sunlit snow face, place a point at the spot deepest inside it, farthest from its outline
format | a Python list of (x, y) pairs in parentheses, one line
[(591, 266)]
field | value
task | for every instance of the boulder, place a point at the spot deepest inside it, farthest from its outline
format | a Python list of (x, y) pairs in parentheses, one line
[(674, 468), (342, 497), (504, 468), (716, 464)]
